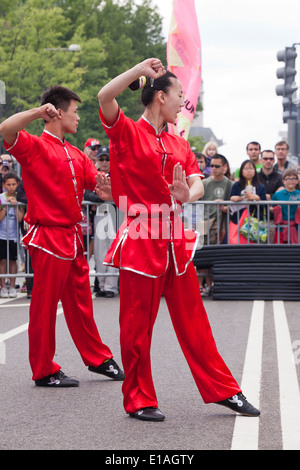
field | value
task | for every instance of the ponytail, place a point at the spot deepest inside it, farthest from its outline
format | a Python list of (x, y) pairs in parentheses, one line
[(150, 86)]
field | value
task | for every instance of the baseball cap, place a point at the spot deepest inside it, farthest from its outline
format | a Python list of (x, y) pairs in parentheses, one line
[(91, 143), (103, 150)]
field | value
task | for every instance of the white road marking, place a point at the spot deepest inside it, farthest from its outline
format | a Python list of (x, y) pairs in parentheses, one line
[(14, 332), (245, 434), (4, 303), (4, 306), (288, 381), (10, 299), (2, 352)]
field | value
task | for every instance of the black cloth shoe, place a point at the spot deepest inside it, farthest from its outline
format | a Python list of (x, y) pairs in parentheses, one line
[(239, 404), (110, 369), (109, 294), (100, 293), (57, 380), (148, 414)]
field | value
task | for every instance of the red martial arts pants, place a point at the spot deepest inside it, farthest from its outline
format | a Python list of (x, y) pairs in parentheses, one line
[(139, 302), (56, 279)]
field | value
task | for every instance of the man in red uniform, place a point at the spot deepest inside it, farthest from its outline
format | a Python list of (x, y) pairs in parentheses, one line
[(55, 175)]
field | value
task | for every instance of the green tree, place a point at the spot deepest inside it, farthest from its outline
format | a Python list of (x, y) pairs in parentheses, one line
[(130, 33), (25, 66), (113, 35), (197, 143)]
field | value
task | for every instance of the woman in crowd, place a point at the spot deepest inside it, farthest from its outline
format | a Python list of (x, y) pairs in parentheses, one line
[(247, 189), (210, 149)]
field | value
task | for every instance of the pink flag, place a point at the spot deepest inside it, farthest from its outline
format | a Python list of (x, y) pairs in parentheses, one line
[(184, 60)]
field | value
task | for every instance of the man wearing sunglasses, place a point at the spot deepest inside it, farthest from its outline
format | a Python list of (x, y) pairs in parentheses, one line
[(6, 157), (216, 188), (267, 175), (103, 158), (91, 148)]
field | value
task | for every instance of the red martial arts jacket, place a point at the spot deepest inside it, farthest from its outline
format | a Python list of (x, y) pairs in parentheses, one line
[(55, 175), (141, 167)]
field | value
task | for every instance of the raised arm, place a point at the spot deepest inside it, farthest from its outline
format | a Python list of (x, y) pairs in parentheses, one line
[(152, 68), (12, 125)]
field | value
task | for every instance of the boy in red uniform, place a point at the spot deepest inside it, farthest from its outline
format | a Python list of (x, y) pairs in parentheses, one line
[(55, 175), (152, 174)]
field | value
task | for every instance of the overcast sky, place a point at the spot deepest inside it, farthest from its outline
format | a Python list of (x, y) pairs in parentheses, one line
[(240, 40)]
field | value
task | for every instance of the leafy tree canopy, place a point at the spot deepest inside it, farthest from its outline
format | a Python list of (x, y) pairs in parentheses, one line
[(34, 41), (197, 143)]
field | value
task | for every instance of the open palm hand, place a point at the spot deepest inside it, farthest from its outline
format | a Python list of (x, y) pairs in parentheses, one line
[(103, 187), (179, 188)]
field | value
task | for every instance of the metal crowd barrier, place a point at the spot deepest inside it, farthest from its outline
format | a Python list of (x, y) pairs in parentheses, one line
[(194, 217)]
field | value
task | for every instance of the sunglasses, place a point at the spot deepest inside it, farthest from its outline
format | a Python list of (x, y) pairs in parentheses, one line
[(268, 158), (103, 159), (94, 147), (215, 166)]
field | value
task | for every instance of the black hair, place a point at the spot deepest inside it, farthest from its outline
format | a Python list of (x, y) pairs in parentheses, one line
[(59, 96), (268, 151), (221, 157), (242, 180), (152, 86), (10, 175), (199, 155), (253, 143)]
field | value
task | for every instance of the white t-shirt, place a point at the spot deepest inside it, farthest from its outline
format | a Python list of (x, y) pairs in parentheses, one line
[(8, 232)]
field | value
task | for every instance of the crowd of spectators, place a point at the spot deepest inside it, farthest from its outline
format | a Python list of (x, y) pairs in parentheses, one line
[(264, 175)]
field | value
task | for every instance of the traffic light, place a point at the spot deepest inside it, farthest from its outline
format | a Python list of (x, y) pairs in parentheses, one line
[(288, 87)]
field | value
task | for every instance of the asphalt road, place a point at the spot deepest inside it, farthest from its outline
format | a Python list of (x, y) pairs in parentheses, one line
[(257, 348)]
